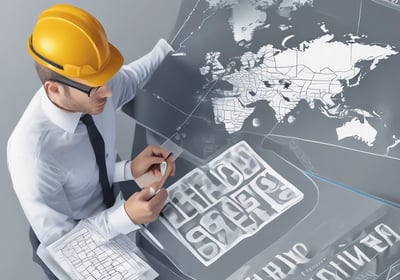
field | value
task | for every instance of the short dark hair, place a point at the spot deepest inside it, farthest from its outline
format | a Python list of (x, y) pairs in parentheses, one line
[(46, 74)]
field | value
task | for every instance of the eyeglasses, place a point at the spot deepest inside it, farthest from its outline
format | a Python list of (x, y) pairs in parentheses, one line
[(90, 91)]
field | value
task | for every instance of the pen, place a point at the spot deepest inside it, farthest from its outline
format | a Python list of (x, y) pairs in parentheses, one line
[(170, 154)]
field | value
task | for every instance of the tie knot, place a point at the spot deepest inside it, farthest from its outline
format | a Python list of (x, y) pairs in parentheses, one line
[(87, 119)]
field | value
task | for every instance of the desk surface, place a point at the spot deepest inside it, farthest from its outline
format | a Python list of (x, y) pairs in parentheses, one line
[(311, 86)]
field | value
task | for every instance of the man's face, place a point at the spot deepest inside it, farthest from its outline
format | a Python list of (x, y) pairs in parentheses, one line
[(77, 101), (74, 100)]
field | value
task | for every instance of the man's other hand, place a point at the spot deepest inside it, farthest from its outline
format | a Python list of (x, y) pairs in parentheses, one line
[(145, 206)]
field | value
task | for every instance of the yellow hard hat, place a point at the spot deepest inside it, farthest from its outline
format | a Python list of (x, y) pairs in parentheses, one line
[(73, 43)]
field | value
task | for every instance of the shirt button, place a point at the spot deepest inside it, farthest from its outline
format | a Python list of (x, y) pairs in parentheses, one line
[(106, 155)]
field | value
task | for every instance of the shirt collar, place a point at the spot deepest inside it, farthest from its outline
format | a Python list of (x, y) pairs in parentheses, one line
[(68, 121)]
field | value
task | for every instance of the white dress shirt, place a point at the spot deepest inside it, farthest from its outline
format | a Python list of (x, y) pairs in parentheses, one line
[(53, 167)]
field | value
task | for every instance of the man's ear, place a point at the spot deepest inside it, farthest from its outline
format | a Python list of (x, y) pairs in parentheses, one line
[(52, 89)]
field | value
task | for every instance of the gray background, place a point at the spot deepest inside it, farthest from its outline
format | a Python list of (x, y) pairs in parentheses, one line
[(134, 26)]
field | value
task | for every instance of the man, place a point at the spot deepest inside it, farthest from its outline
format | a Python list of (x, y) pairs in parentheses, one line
[(60, 168)]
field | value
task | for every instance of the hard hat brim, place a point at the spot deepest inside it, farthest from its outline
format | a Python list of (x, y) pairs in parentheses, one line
[(109, 70)]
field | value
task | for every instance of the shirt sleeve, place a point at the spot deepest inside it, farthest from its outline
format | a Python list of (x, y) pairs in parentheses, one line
[(114, 220), (122, 171), (136, 74), (39, 188)]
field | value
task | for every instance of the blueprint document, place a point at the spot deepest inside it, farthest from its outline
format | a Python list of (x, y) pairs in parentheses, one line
[(85, 254)]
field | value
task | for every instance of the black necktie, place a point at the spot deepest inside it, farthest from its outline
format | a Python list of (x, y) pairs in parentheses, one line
[(99, 150)]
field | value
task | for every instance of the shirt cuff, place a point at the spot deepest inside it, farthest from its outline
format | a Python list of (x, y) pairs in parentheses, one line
[(122, 171), (120, 221), (128, 171), (164, 46)]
